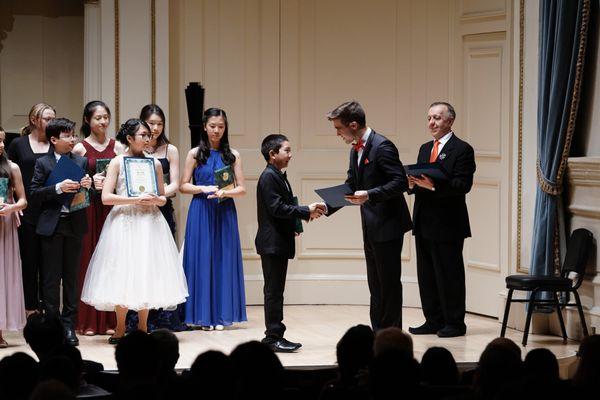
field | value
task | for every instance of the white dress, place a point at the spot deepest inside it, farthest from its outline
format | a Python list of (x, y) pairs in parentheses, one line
[(136, 263)]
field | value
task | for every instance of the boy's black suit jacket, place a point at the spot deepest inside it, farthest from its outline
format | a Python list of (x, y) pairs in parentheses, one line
[(51, 202), (277, 214), (442, 214)]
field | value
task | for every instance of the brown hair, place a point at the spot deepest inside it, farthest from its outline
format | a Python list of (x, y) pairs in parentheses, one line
[(35, 113)]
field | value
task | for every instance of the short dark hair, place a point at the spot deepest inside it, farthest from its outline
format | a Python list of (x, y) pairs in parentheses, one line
[(272, 142), (350, 111), (58, 126), (451, 112)]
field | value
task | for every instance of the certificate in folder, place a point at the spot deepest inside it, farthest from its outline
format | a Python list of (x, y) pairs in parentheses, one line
[(3, 190), (67, 169), (224, 179), (334, 196), (432, 170), (140, 176)]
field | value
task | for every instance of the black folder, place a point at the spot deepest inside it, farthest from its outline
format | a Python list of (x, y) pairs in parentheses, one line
[(334, 196), (433, 170)]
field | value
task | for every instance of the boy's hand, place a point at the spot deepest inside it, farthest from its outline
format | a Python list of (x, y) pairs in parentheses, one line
[(316, 210), (359, 197), (86, 181), (69, 186)]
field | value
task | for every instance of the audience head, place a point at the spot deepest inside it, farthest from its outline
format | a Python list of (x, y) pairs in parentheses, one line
[(43, 334), (393, 339), (354, 351), (134, 133), (52, 390), (276, 150), (154, 116), (258, 371), (96, 118), (137, 360), (59, 367), (588, 370), (212, 371), (393, 371), (541, 365), (214, 135), (39, 116), (168, 348), (18, 376), (438, 367), (499, 366)]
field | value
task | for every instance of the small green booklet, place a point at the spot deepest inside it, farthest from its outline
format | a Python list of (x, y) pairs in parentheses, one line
[(224, 179), (299, 228), (102, 165), (80, 201), (3, 190)]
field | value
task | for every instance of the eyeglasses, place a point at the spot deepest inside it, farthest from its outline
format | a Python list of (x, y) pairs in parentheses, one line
[(70, 137), (145, 136)]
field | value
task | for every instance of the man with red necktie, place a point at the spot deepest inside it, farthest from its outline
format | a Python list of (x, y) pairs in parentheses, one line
[(441, 224), (379, 181)]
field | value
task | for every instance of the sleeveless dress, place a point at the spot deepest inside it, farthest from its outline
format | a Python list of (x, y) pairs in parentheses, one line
[(12, 304), (89, 319), (136, 263), (212, 256)]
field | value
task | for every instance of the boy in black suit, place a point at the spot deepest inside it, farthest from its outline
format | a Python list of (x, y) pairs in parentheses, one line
[(277, 215), (60, 229)]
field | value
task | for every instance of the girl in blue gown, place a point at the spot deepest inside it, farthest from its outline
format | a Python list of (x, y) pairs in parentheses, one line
[(212, 256)]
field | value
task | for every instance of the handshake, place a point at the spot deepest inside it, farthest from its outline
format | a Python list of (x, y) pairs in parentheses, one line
[(316, 210)]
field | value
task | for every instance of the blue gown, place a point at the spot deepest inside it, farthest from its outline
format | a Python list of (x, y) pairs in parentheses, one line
[(212, 256)]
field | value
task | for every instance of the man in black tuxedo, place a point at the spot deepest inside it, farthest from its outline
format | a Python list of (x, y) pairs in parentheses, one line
[(441, 226), (61, 229), (378, 179), (278, 214)]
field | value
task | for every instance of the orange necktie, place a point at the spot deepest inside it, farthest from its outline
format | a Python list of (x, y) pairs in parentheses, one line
[(434, 153)]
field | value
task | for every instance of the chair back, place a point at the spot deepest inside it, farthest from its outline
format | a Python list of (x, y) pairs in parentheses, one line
[(578, 250)]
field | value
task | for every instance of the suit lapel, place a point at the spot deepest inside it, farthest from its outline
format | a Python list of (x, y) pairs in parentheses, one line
[(365, 154), (447, 150), (425, 153)]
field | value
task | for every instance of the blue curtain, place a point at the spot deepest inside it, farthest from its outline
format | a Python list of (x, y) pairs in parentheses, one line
[(562, 43)]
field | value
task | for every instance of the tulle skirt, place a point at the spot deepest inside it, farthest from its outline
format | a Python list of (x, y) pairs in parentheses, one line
[(136, 263)]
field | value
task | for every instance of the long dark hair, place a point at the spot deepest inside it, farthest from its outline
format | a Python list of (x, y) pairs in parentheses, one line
[(204, 147), (146, 112), (4, 165), (88, 112)]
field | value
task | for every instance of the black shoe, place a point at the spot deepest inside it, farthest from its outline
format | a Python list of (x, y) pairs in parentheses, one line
[(71, 338), (451, 331), (425, 329), (281, 345), (114, 340)]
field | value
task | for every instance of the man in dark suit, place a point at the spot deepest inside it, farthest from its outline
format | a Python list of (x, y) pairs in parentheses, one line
[(61, 229), (441, 226), (278, 214), (378, 180)]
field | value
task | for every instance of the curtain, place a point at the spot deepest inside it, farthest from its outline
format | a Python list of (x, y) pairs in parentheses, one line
[(562, 44)]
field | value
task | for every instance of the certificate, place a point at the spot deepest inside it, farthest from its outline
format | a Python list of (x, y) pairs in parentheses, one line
[(140, 176), (3, 190)]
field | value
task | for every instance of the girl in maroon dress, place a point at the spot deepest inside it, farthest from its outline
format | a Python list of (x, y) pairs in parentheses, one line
[(97, 145)]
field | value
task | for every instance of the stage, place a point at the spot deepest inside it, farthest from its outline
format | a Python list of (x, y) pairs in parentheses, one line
[(318, 328)]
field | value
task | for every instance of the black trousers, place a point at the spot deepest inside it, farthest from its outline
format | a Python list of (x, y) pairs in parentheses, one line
[(274, 272), (384, 270), (30, 248), (441, 273), (62, 253)]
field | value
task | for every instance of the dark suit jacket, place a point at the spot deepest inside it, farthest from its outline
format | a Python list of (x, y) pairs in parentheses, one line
[(442, 214), (51, 202), (277, 215), (385, 215)]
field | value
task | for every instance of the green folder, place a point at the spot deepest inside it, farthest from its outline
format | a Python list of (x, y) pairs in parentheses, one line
[(224, 179), (3, 190), (102, 165), (80, 201), (299, 228)]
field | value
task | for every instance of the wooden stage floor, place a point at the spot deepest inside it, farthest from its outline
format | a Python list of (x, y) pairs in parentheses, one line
[(318, 328)]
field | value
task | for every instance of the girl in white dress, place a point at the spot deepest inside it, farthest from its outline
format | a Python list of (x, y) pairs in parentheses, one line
[(136, 263)]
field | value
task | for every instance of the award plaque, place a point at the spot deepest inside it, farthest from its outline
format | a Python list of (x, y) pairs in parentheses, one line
[(224, 179), (140, 176), (3, 190), (80, 201), (102, 165)]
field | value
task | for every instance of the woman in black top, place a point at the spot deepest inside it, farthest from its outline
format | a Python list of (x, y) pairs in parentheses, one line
[(24, 151)]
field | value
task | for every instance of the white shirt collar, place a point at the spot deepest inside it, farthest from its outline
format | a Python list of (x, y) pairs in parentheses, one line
[(365, 136), (57, 156), (444, 139)]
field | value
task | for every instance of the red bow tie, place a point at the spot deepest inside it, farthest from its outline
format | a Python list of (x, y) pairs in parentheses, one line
[(359, 145)]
